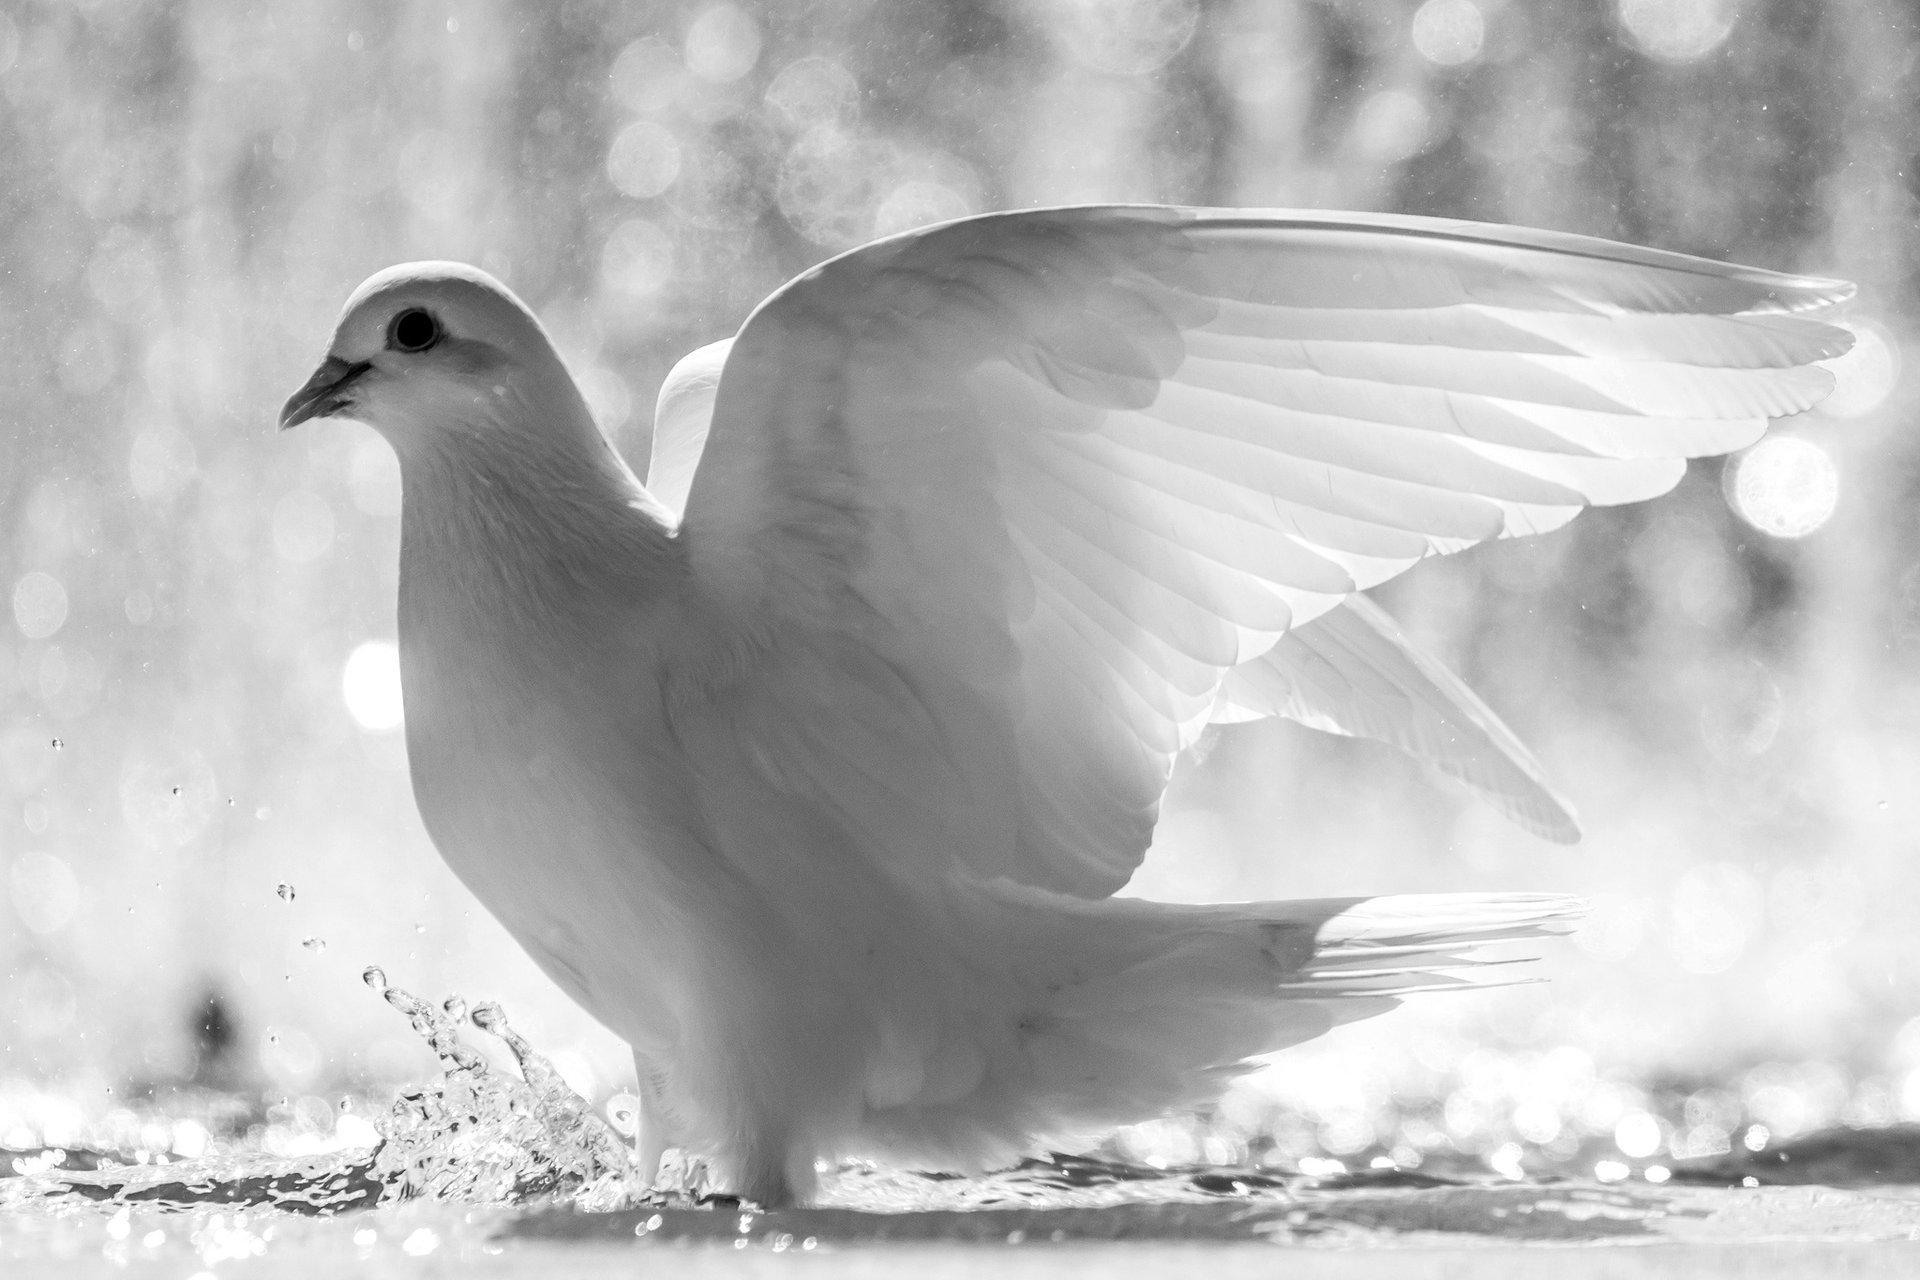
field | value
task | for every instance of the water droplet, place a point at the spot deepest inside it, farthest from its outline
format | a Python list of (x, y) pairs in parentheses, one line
[(231, 802), (285, 890), (456, 1008), (109, 1088), (375, 977), (176, 791), (489, 1017), (419, 928), (623, 1113), (273, 1037), (58, 745), (315, 945)]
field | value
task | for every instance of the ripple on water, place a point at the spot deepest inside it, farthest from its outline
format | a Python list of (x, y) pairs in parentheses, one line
[(528, 1155)]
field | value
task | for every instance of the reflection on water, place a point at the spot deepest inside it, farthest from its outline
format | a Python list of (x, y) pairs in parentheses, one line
[(485, 1154)]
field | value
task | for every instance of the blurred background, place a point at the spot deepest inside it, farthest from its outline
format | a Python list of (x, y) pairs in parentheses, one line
[(206, 830)]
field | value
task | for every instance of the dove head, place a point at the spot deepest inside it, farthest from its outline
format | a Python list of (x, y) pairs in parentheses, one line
[(438, 354)]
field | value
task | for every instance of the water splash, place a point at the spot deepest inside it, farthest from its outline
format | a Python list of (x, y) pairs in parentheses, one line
[(485, 1134), (487, 1137), (475, 1136)]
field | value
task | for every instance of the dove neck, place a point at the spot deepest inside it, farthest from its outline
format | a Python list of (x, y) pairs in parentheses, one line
[(505, 526)]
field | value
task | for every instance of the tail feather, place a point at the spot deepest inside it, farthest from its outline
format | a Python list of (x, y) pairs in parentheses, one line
[(1133, 1009), (1405, 945)]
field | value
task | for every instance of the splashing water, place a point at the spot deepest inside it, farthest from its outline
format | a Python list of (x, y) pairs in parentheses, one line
[(481, 1137), (489, 1138), (476, 1135)]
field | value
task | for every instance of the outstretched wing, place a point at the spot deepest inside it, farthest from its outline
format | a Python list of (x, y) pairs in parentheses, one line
[(989, 511), (1353, 672)]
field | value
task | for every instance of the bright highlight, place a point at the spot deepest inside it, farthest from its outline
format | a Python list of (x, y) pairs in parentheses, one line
[(1784, 486), (371, 685), (1678, 30)]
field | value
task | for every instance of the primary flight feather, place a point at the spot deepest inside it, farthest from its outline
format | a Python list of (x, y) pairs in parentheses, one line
[(810, 767)]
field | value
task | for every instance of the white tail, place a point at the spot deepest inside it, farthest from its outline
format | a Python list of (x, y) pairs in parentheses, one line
[(1138, 1008), (1395, 946)]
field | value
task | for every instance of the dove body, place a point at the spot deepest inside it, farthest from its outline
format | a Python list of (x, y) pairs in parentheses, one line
[(537, 604), (783, 1000), (771, 988), (810, 767)]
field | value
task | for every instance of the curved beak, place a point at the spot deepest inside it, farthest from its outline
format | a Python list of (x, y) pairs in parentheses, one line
[(325, 392)]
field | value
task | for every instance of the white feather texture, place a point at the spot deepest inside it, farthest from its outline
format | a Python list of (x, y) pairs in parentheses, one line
[(810, 772)]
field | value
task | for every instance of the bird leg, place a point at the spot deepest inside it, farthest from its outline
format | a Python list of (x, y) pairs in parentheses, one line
[(663, 1164)]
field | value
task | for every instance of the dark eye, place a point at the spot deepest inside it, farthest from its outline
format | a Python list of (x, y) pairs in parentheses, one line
[(413, 330)]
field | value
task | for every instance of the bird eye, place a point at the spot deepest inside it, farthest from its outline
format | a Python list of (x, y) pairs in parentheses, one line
[(413, 330)]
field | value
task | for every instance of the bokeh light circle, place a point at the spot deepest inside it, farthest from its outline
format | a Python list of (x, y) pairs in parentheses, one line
[(917, 204), (1678, 30), (813, 91), (373, 477), (1637, 1135), (637, 259), (1393, 125), (723, 44), (1449, 33), (1866, 375), (830, 186), (608, 396), (370, 683), (44, 890), (646, 76), (1785, 486), (39, 605), (1123, 37), (644, 159)]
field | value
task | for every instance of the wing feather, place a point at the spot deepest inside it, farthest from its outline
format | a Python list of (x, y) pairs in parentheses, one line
[(994, 516), (1354, 672)]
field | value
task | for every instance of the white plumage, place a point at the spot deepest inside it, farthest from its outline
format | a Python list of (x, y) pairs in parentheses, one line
[(811, 770)]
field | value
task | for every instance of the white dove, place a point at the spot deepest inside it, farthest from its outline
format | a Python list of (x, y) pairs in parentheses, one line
[(811, 771)]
